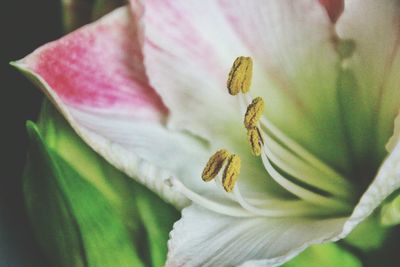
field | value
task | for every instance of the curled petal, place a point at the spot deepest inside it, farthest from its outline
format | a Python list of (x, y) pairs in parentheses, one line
[(204, 238), (96, 78)]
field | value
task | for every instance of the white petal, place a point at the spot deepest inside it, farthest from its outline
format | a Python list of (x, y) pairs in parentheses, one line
[(374, 27), (295, 65), (189, 48), (203, 238)]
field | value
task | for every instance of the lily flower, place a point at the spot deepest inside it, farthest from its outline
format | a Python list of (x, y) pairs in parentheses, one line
[(267, 120)]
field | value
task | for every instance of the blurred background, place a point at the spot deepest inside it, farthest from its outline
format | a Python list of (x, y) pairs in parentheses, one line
[(25, 25)]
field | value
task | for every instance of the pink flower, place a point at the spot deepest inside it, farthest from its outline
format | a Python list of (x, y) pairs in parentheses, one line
[(145, 87)]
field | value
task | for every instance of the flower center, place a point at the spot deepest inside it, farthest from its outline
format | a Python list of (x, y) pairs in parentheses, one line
[(314, 184)]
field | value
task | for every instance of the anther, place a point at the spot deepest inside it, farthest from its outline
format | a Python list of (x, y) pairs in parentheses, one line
[(254, 112), (214, 165), (255, 140), (240, 76), (231, 172)]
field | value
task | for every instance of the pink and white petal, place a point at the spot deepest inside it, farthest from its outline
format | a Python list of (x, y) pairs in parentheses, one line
[(99, 67), (204, 238), (197, 41), (189, 48), (374, 28), (95, 77)]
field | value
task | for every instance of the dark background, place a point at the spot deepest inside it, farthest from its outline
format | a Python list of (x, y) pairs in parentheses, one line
[(25, 24)]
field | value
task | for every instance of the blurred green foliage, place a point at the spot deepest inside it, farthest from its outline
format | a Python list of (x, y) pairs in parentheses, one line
[(84, 211), (325, 255)]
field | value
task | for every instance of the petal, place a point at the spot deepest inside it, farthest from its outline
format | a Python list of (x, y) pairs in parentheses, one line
[(263, 241), (184, 47), (203, 238), (292, 42), (197, 41), (96, 78), (206, 238), (374, 28), (99, 67), (385, 183), (334, 8)]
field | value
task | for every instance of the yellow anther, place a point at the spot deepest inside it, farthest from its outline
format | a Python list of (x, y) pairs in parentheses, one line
[(239, 79), (231, 173), (214, 165), (254, 112), (255, 140)]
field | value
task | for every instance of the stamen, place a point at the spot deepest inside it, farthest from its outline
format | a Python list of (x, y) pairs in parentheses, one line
[(272, 208), (283, 209), (254, 112), (255, 140), (332, 177), (214, 165), (301, 192), (231, 173), (207, 203), (240, 76)]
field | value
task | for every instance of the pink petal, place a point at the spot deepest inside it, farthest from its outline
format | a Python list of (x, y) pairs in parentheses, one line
[(187, 60), (99, 66), (96, 78), (334, 8)]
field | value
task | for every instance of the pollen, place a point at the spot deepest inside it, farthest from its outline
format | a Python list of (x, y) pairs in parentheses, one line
[(255, 140), (239, 79), (231, 172), (214, 165), (254, 112)]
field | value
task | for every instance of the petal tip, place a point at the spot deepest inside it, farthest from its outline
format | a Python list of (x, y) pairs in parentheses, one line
[(334, 8)]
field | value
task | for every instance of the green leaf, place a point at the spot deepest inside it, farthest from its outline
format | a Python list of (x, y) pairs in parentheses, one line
[(390, 212), (47, 207), (368, 235), (78, 225), (84, 211), (326, 255), (157, 221)]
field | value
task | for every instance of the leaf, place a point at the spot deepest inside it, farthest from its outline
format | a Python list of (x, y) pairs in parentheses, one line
[(84, 211), (46, 203), (390, 212), (327, 255), (158, 220), (79, 226), (368, 235)]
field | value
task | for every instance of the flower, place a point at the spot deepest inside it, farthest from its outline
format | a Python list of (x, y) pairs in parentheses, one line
[(145, 87)]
